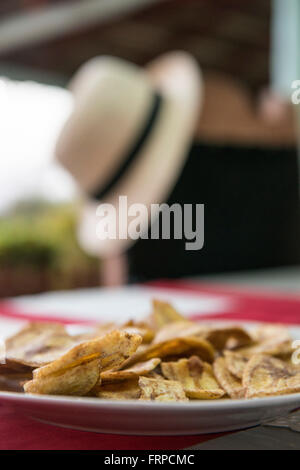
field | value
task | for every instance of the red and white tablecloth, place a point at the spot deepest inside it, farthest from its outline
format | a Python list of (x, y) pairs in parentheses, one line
[(197, 300)]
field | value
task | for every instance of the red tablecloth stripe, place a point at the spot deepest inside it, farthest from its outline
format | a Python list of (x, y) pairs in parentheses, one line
[(244, 304), (20, 433)]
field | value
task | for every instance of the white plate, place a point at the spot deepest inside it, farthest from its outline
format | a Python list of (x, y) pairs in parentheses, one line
[(150, 418)]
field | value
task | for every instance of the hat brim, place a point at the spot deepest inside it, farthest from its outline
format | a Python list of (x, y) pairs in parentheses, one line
[(176, 76)]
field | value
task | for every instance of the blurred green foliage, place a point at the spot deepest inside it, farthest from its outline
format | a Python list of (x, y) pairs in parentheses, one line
[(42, 235)]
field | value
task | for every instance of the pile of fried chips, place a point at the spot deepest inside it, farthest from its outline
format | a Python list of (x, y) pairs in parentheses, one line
[(165, 358)]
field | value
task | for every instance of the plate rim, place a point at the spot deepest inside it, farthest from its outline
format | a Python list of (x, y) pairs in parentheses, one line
[(221, 404)]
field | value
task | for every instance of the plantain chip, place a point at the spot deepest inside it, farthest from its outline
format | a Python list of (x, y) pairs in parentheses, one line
[(139, 328), (78, 381), (141, 368), (273, 340), (162, 314), (132, 327), (164, 358), (265, 376), (125, 390), (38, 344), (180, 329), (161, 390), (235, 363), (270, 347), (111, 350), (232, 386), (267, 331), (228, 337), (175, 348), (196, 377)]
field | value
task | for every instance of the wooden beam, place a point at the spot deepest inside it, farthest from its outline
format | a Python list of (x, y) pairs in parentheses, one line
[(28, 28)]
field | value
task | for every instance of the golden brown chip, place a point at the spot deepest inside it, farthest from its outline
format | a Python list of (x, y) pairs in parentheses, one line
[(78, 381), (176, 348), (126, 390), (38, 344), (139, 328), (30, 331), (228, 337), (141, 368), (180, 329), (273, 340), (125, 362), (265, 375), (196, 377), (269, 347), (161, 390), (162, 314), (111, 350), (232, 386), (235, 363), (276, 333), (131, 326)]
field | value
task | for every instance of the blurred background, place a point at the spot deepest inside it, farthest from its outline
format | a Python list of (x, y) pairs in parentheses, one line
[(42, 44)]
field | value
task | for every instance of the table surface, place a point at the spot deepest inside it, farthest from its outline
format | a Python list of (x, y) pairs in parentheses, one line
[(258, 438), (285, 279)]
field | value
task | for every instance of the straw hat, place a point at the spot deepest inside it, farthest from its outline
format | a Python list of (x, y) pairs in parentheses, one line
[(128, 134)]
